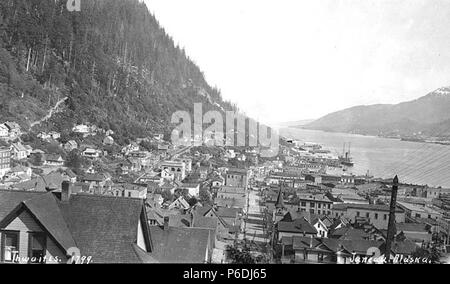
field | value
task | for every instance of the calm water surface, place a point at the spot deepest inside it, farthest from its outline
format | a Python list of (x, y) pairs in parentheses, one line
[(418, 163)]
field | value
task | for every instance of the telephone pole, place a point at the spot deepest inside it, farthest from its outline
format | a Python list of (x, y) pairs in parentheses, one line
[(391, 225)]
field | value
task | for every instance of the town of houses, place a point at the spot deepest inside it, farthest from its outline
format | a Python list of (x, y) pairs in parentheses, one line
[(153, 202)]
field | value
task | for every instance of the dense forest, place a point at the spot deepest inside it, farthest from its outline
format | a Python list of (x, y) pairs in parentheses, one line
[(113, 62)]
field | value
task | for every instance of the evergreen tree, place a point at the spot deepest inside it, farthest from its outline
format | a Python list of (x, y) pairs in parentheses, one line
[(112, 60)]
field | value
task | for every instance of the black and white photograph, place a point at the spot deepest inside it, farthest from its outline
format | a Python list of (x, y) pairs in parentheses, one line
[(224, 139)]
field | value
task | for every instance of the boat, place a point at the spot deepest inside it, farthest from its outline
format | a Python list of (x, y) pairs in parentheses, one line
[(412, 139), (345, 159)]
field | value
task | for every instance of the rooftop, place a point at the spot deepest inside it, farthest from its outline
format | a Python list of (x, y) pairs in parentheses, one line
[(416, 208), (104, 227), (93, 177), (237, 171), (180, 245), (315, 197), (411, 227), (230, 202), (369, 207), (296, 226), (225, 212), (172, 163)]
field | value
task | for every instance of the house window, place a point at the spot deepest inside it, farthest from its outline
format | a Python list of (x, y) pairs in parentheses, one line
[(37, 247), (367, 215), (318, 205), (303, 204), (312, 204), (311, 211), (385, 217), (357, 213), (9, 245), (320, 256), (376, 216)]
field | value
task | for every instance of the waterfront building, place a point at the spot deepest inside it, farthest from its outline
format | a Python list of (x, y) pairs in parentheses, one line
[(377, 215)]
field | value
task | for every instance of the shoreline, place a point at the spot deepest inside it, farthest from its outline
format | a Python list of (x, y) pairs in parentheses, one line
[(383, 179), (398, 138)]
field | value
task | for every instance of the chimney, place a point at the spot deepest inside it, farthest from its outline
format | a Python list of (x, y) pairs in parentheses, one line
[(66, 191), (166, 223), (391, 230)]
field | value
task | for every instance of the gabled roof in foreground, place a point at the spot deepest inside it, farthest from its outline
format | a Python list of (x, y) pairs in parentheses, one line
[(106, 227), (103, 227), (45, 209), (180, 245), (10, 199)]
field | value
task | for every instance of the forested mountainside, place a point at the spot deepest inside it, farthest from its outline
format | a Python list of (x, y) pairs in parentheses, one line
[(113, 62), (428, 115)]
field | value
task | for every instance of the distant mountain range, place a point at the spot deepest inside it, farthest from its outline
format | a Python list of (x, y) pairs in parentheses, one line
[(295, 123), (428, 116)]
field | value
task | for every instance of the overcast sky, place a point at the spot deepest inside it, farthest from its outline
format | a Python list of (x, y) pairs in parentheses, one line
[(287, 60)]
